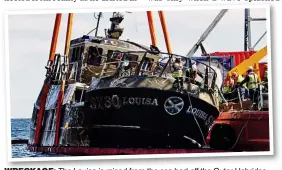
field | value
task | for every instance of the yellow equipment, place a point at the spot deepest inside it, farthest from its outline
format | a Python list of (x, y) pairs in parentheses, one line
[(252, 61)]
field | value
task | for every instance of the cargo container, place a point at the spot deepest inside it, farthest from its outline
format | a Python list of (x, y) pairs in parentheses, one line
[(238, 56)]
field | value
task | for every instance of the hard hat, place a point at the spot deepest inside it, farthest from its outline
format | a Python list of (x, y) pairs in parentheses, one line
[(250, 68), (234, 74)]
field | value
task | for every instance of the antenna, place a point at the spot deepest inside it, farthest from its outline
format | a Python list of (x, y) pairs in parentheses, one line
[(98, 22), (97, 26)]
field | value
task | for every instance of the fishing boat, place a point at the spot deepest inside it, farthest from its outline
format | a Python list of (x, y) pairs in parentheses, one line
[(111, 96)]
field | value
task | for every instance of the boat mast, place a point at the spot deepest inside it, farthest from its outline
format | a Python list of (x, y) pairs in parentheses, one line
[(97, 26), (47, 83), (98, 22), (64, 69), (152, 28)]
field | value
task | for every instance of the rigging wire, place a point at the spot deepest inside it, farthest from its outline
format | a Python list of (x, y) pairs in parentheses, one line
[(204, 139)]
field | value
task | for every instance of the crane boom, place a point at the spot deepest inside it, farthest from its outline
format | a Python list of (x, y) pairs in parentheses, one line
[(207, 32)]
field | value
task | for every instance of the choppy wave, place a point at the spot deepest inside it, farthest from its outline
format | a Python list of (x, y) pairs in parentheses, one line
[(20, 130)]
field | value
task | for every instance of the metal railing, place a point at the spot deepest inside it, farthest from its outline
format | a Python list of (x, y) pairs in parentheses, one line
[(258, 96), (119, 63)]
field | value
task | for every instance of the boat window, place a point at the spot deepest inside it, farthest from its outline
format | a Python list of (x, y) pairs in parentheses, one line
[(109, 54), (94, 57), (73, 57), (117, 55), (148, 64), (80, 53), (70, 53), (131, 57), (79, 95), (114, 55), (77, 53)]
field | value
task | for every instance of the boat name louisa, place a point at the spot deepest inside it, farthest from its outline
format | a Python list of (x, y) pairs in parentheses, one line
[(201, 115), (117, 102)]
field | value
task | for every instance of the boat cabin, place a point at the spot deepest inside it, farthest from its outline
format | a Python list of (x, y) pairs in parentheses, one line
[(88, 55)]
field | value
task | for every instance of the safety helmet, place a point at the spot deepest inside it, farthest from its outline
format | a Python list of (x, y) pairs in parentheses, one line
[(250, 68), (234, 74)]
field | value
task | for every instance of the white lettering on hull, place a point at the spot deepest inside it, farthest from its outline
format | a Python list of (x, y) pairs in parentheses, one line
[(201, 115), (117, 102)]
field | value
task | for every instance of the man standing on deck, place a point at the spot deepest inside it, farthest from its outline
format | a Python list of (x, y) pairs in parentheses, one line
[(252, 81), (237, 80), (177, 71), (177, 68)]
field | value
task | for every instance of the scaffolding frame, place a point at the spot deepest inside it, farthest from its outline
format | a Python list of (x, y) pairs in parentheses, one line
[(247, 31)]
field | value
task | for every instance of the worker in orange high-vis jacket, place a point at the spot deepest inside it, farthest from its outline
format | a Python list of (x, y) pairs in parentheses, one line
[(228, 84)]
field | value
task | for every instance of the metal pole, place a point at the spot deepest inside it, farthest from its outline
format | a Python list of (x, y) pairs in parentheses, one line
[(98, 22), (246, 28), (258, 19), (55, 36), (167, 42), (68, 34), (249, 31), (239, 97), (152, 28)]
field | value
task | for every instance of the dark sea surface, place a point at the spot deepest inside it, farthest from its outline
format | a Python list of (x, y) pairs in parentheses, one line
[(20, 130)]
